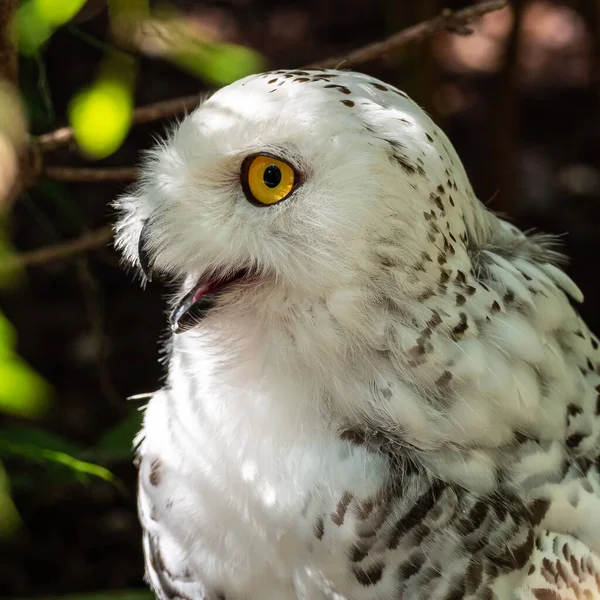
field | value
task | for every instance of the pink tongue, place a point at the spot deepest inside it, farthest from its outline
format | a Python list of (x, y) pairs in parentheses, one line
[(203, 290)]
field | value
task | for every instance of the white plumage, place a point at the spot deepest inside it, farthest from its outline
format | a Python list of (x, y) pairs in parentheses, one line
[(379, 390)]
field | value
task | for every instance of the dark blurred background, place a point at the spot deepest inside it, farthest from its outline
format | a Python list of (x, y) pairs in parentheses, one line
[(519, 98)]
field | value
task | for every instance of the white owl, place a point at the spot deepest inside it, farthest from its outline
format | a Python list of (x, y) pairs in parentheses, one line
[(377, 389)]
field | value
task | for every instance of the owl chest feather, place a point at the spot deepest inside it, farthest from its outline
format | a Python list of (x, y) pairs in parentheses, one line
[(246, 494)]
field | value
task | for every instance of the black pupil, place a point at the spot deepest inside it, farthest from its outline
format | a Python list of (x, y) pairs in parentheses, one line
[(272, 176)]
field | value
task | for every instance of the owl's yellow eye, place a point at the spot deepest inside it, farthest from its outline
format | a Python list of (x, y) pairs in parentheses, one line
[(266, 180)]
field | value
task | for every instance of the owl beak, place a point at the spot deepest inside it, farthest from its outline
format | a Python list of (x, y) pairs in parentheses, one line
[(190, 311), (142, 253), (194, 306)]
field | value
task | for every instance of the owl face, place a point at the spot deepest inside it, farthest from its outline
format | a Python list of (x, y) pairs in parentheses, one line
[(291, 177)]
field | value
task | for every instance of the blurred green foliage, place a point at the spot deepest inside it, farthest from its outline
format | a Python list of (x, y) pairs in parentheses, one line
[(101, 113)]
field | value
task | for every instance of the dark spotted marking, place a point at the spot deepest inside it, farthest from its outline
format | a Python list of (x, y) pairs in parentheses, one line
[(444, 379), (545, 594), (272, 80), (574, 410), (155, 475), (459, 329), (340, 88), (495, 307), (354, 436), (386, 261), (370, 576), (411, 566), (451, 200), (438, 202), (429, 138), (594, 343), (348, 103), (358, 552), (514, 559), (342, 507), (574, 440), (364, 509), (538, 510), (487, 594), (416, 514), (428, 294), (474, 575), (435, 320), (509, 297), (460, 300), (301, 80), (320, 528), (474, 519), (457, 591), (590, 365), (403, 162), (444, 276), (379, 86), (470, 290)]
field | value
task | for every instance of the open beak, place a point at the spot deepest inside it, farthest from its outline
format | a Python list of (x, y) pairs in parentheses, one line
[(192, 308)]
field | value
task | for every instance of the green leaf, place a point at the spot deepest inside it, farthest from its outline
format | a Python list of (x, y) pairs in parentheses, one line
[(117, 442), (22, 391), (101, 116), (37, 19), (220, 63), (40, 454), (58, 12)]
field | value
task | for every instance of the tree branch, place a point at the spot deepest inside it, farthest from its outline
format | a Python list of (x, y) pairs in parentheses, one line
[(447, 20), (88, 241), (90, 175), (144, 114)]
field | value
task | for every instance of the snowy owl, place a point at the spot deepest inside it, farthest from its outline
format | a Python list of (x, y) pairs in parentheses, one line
[(377, 389)]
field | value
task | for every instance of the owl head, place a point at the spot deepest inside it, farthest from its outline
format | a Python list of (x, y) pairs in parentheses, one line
[(314, 181)]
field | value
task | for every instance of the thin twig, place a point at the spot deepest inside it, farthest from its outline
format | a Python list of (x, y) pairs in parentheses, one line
[(90, 175), (447, 20), (88, 241)]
